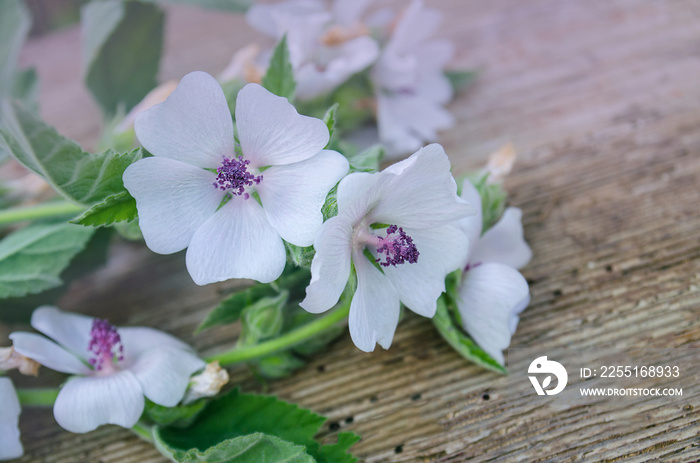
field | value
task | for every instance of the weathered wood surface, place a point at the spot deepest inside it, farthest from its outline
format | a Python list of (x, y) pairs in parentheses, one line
[(602, 100)]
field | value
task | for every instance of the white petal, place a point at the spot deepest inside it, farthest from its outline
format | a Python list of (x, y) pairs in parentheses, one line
[(348, 12), (83, 404), (70, 330), (272, 132), (173, 200), (236, 242), (416, 25), (10, 445), (442, 250), (48, 353), (293, 195), (193, 125), (394, 133), (138, 339), (339, 63), (492, 295), (472, 225), (273, 19), (375, 307), (419, 192), (354, 187), (164, 374), (504, 242), (330, 267)]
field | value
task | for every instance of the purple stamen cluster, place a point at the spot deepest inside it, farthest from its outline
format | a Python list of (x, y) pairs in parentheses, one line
[(105, 344), (397, 248), (233, 176)]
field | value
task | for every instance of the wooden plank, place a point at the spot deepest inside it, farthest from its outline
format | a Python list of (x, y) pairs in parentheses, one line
[(602, 100)]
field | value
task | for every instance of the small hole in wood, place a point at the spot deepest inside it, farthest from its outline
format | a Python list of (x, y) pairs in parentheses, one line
[(349, 419), (557, 292), (398, 449), (321, 368), (486, 397), (334, 426), (416, 397), (374, 398)]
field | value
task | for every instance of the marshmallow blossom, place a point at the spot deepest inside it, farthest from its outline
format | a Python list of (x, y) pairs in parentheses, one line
[(399, 230), (114, 368), (230, 204), (492, 292)]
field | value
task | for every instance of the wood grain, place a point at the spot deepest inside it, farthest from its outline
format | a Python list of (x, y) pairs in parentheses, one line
[(602, 100)]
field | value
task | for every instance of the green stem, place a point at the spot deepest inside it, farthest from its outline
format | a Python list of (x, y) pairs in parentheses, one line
[(143, 431), (41, 211), (37, 397), (287, 340)]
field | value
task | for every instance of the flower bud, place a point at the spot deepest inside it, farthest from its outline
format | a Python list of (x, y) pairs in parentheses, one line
[(206, 384), (10, 358)]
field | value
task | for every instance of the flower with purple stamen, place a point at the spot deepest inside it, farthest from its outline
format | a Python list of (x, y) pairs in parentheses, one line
[(399, 229), (203, 192), (114, 367)]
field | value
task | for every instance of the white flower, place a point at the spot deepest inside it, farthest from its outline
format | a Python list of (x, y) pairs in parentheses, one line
[(179, 192), (10, 445), (116, 368), (410, 82), (326, 47), (493, 292), (416, 240)]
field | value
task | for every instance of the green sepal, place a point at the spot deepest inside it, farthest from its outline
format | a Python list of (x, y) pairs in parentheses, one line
[(263, 319), (368, 160), (299, 256)]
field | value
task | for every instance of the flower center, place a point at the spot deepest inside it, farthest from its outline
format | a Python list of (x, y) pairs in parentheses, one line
[(233, 176), (105, 345), (397, 247)]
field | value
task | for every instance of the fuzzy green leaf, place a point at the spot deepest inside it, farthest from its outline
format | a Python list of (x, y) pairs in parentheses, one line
[(300, 256), (122, 43), (25, 87), (15, 22), (279, 78), (463, 344), (120, 207), (31, 259), (235, 415), (252, 448), (79, 176)]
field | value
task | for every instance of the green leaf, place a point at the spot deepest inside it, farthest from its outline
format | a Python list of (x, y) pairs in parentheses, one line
[(330, 120), (459, 341), (31, 259), (279, 78), (460, 79), (25, 87), (120, 207), (338, 453), (15, 22), (235, 415), (235, 6), (79, 176), (180, 416), (122, 43), (368, 160), (252, 448), (92, 257)]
